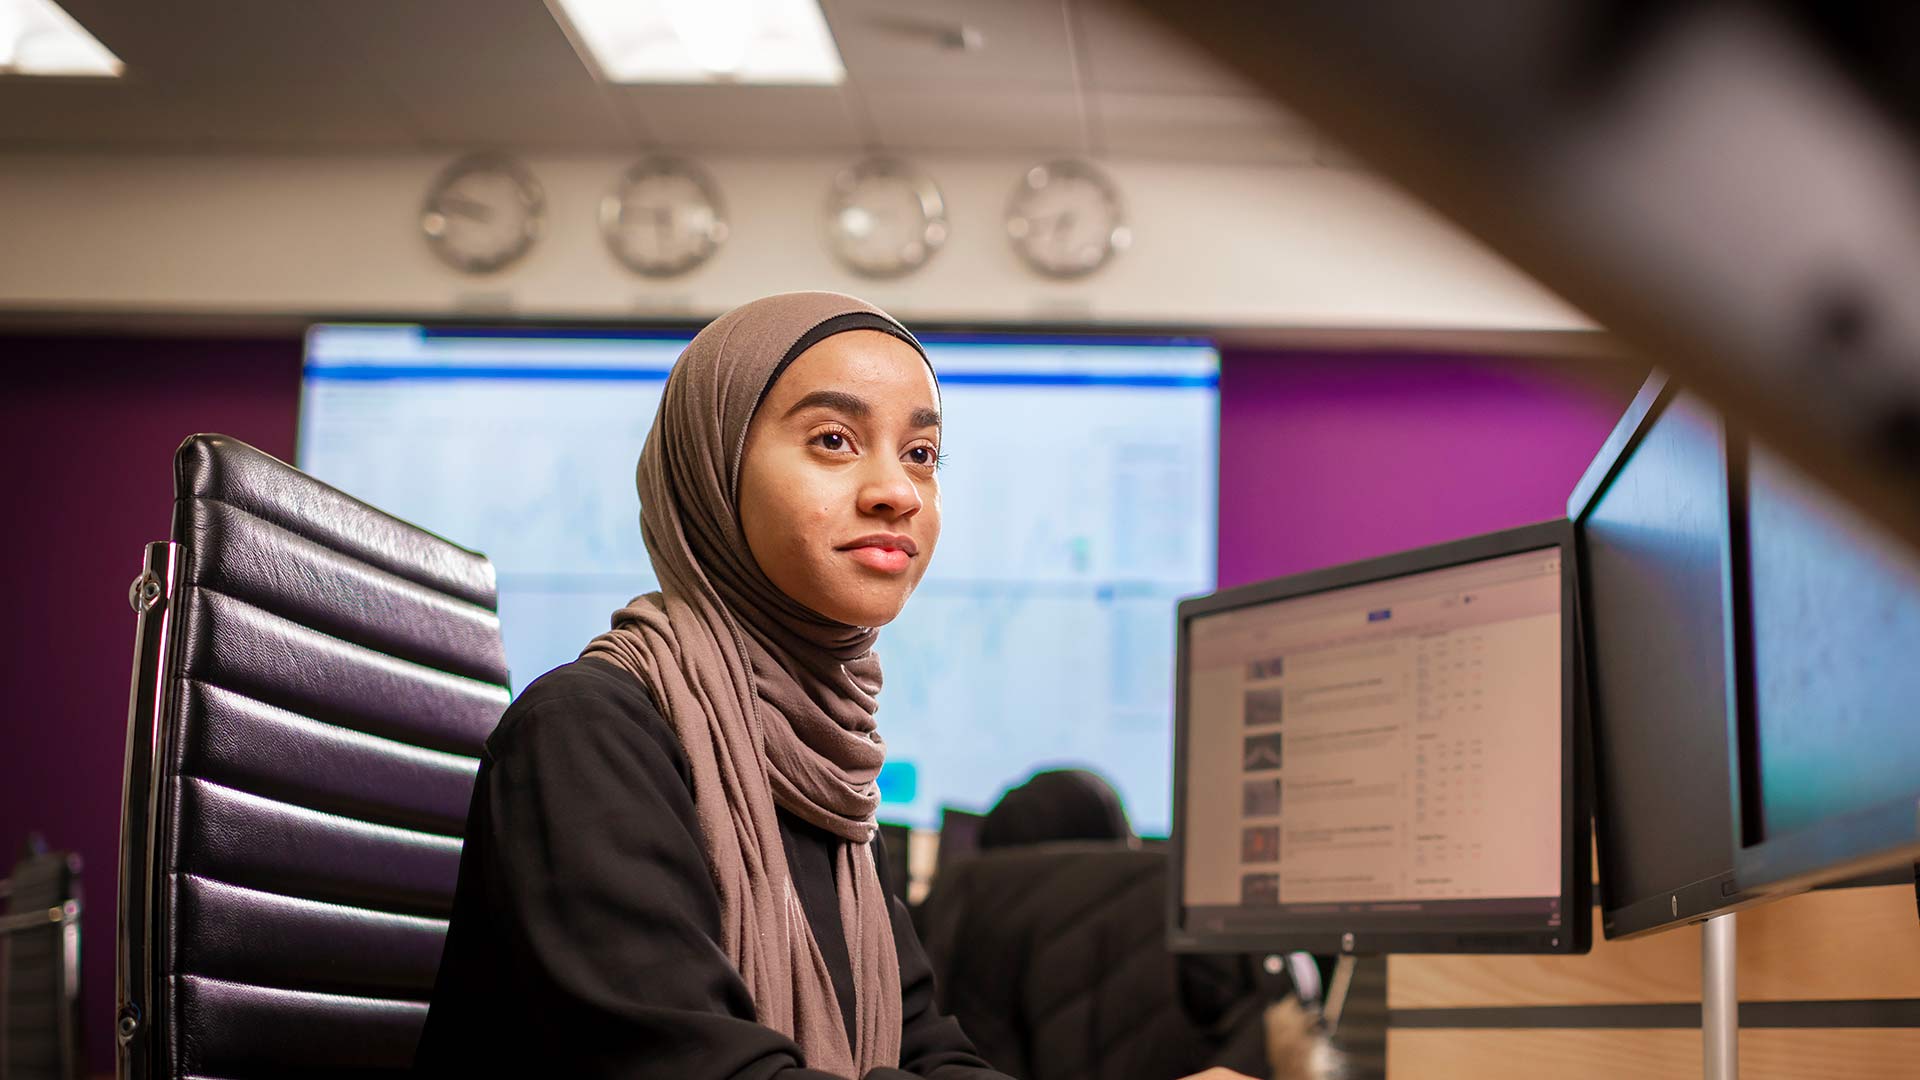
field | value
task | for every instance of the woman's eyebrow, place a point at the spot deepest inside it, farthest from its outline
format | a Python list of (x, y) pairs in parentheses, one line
[(856, 407), (838, 400)]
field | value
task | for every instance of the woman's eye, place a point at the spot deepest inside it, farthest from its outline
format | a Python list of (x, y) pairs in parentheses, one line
[(924, 455), (831, 440)]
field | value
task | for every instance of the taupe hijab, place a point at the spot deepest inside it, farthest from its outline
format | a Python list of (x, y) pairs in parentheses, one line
[(772, 702)]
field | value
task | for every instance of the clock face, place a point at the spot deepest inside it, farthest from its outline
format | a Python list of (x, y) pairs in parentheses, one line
[(483, 213), (663, 218), (884, 219), (1066, 219)]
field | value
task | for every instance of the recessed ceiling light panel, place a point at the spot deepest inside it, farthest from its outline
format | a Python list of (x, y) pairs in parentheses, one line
[(38, 38), (703, 41)]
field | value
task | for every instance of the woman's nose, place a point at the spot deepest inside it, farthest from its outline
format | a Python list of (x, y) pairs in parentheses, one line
[(887, 491)]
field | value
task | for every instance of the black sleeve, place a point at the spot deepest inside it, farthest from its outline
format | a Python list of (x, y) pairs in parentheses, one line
[(606, 921)]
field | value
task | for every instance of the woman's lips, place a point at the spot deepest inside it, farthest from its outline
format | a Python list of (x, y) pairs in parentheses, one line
[(886, 560), (885, 552)]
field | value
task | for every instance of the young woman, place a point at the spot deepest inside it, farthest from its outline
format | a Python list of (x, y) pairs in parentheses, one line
[(669, 868)]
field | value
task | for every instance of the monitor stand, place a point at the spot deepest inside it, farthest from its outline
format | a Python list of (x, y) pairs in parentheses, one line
[(1719, 1000), (1338, 987)]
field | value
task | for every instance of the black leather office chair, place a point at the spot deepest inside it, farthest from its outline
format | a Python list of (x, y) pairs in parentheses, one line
[(313, 680), (1053, 958), (40, 968)]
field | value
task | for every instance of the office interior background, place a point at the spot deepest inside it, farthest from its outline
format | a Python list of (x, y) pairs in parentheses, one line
[(177, 237)]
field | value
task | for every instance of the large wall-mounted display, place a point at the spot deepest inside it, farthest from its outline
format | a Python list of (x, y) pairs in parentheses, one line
[(1079, 505)]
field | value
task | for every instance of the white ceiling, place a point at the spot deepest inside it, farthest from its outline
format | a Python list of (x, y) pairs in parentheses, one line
[(1054, 76)]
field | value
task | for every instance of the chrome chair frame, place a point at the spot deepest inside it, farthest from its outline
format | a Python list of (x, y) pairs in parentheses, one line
[(136, 976), (65, 916)]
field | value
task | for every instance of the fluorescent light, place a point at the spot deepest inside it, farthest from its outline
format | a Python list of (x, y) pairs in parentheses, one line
[(703, 41), (38, 38)]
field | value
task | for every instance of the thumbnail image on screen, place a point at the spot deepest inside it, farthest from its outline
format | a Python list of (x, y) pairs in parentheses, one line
[(1392, 746), (1078, 507)]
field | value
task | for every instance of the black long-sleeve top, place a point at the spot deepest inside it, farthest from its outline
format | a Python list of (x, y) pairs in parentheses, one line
[(585, 937)]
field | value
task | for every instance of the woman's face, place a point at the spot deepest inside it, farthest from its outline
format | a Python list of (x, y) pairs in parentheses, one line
[(838, 497)]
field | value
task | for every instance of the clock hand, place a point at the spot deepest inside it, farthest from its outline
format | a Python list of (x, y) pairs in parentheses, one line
[(1056, 225), (466, 207)]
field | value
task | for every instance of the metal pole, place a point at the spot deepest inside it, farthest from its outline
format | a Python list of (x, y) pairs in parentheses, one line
[(1719, 1000), (1336, 1002)]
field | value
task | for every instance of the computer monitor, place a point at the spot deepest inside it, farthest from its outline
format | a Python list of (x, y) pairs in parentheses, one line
[(1651, 525), (1380, 757), (1827, 658)]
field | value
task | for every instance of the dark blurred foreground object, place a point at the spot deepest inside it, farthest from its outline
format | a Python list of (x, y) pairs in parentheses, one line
[(1055, 806), (1053, 957), (313, 682), (1731, 188), (40, 966)]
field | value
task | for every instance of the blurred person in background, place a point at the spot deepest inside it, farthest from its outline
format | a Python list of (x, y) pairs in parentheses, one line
[(1056, 805)]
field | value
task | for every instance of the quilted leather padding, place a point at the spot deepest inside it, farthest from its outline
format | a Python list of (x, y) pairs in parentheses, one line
[(335, 674), (1054, 960)]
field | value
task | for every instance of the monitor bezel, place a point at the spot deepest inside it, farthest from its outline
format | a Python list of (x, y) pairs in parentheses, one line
[(1719, 893), (1390, 933), (1834, 850)]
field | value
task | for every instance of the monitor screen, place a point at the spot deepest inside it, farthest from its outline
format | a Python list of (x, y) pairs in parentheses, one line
[(1386, 753), (1041, 633), (1832, 747), (1651, 520)]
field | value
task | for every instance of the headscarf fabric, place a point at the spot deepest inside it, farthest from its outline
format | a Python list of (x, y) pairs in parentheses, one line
[(773, 703)]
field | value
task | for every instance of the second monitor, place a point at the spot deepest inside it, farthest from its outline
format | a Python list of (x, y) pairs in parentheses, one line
[(1380, 757)]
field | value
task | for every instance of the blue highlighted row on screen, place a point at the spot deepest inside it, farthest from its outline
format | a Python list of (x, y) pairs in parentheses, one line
[(382, 372), (899, 782)]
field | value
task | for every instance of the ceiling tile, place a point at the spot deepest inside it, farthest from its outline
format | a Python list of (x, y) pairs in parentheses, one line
[(531, 118), (229, 46), (1125, 51), (779, 119), (423, 44), (460, 73), (73, 115), (1203, 128), (899, 42), (37, 113), (302, 116), (981, 121)]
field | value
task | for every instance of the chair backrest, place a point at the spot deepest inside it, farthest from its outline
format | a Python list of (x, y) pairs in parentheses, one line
[(1054, 960), (313, 683), (40, 969), (896, 842)]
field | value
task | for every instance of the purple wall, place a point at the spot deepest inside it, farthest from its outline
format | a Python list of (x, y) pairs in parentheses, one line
[(89, 427), (1330, 457), (1324, 458)]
